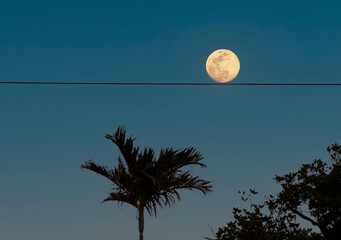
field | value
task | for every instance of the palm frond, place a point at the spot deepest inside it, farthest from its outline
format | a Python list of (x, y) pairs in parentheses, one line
[(99, 169), (126, 147), (119, 175), (122, 178), (186, 181), (146, 158), (173, 160), (121, 198)]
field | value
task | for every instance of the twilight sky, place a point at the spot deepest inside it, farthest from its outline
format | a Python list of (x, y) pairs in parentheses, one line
[(246, 134)]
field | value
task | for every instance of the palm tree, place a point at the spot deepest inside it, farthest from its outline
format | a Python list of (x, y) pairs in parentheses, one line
[(147, 182)]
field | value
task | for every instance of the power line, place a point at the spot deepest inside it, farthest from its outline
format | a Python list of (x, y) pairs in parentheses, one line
[(170, 84)]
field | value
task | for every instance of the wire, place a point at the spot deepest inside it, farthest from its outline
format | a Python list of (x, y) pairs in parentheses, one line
[(171, 84)]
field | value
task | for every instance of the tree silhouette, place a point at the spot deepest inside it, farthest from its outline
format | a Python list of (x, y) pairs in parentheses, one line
[(262, 222), (316, 187), (147, 182), (313, 193)]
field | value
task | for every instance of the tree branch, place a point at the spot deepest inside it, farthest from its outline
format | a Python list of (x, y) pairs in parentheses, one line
[(305, 217)]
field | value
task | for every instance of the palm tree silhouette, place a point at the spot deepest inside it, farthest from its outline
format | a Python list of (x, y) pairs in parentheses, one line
[(147, 182)]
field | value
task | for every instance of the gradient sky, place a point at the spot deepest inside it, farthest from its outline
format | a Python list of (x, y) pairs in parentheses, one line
[(246, 134)]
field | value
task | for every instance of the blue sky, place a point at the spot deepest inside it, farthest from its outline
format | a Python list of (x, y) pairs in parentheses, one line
[(246, 134)]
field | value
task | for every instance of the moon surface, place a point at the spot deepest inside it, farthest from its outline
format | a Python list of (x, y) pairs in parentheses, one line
[(222, 65)]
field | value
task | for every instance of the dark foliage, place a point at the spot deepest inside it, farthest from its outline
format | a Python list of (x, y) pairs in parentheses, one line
[(313, 193), (316, 187), (146, 182), (262, 222)]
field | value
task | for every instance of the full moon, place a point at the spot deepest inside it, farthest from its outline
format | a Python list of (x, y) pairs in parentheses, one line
[(222, 65)]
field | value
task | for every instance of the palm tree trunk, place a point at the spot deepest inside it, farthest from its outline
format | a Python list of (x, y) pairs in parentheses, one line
[(141, 221)]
